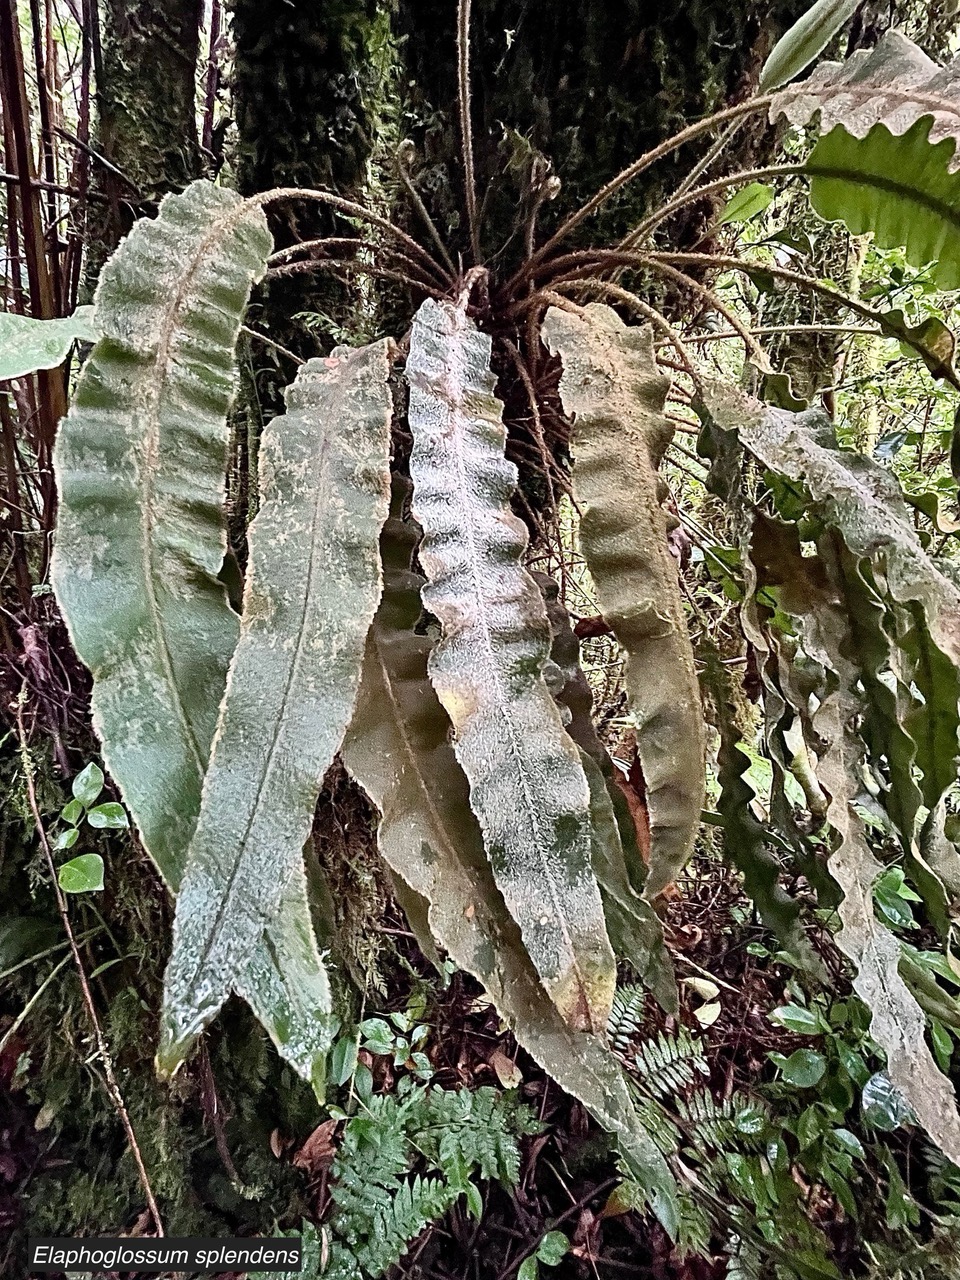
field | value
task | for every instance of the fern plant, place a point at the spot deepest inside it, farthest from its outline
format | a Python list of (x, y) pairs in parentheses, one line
[(402, 1163), (504, 827)]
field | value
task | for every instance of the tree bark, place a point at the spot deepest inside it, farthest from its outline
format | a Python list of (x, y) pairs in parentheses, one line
[(145, 63), (299, 80)]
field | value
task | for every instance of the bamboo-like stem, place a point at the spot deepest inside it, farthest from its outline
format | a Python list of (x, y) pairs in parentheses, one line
[(466, 127), (212, 76)]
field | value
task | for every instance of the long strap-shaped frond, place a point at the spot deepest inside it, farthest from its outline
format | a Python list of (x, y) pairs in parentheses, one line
[(611, 384), (313, 585), (527, 786), (398, 748), (141, 464), (140, 461)]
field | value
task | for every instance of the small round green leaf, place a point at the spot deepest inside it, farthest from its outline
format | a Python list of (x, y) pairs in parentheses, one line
[(82, 875), (88, 784), (747, 203), (803, 1022), (529, 1269), (377, 1036), (804, 1068), (552, 1248), (72, 812), (66, 839), (110, 814)]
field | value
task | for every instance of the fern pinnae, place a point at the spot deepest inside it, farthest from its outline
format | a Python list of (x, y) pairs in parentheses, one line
[(527, 785)]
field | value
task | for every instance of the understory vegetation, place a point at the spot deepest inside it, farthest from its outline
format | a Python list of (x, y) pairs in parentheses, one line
[(480, 653)]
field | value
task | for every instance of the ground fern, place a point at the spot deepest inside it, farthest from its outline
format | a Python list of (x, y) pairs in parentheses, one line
[(402, 1163)]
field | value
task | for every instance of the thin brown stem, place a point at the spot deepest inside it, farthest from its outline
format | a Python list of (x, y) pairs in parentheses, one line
[(113, 1089), (466, 127), (746, 267), (687, 197), (644, 162), (537, 429), (414, 196), (270, 342), (347, 267), (283, 257), (772, 330), (354, 210)]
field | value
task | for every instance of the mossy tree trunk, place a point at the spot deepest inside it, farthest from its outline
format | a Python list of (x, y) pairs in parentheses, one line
[(145, 63), (299, 81), (589, 86)]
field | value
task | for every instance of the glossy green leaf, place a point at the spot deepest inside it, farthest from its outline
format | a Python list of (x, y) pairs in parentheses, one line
[(889, 156), (87, 785), (801, 1021), (611, 384), (750, 201), (66, 839), (527, 786), (398, 748), (81, 875), (804, 1067), (312, 588), (884, 1106), (109, 815), (27, 344), (553, 1248), (801, 43), (72, 811)]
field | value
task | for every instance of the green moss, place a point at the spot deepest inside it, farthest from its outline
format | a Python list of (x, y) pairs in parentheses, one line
[(86, 1181), (145, 115)]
